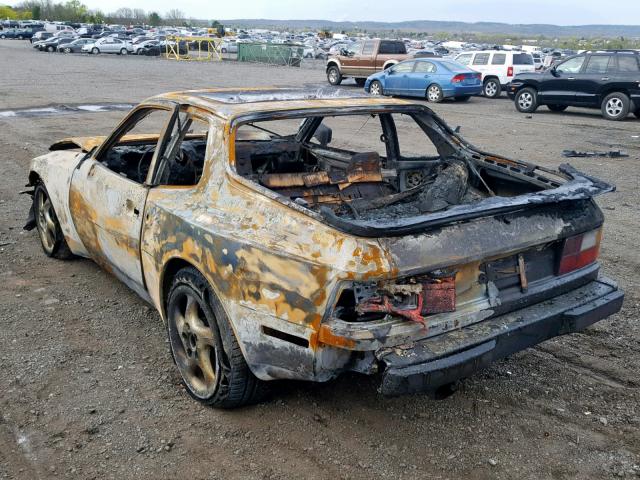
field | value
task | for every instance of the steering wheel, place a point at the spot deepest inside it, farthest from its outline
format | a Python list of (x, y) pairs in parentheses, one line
[(143, 176)]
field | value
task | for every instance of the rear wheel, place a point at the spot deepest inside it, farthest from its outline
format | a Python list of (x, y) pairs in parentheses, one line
[(204, 347), (375, 88), (51, 237), (637, 113), (434, 93), (20, 37), (67, 50), (615, 106), (51, 49), (95, 50), (123, 51), (334, 76), (557, 108), (492, 88), (526, 100), (3, 36), (462, 98)]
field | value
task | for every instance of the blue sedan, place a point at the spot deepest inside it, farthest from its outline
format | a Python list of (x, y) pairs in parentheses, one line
[(435, 79)]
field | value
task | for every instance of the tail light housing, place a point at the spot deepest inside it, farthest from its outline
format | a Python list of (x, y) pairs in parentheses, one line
[(458, 78), (510, 72), (579, 251)]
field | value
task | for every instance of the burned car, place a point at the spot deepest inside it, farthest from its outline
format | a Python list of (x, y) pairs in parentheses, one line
[(295, 234)]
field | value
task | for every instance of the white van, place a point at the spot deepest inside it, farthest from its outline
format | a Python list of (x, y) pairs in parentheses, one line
[(498, 67), (56, 28)]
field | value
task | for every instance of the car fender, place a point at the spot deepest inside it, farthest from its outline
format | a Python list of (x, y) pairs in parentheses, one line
[(388, 64), (334, 62), (55, 171)]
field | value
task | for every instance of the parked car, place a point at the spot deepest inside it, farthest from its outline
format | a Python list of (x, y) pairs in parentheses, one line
[(364, 59), (108, 45), (607, 79), (229, 46), (299, 255), (150, 49), (425, 54), (433, 79), (137, 46), (39, 36), (16, 33), (498, 67), (51, 45), (75, 46)]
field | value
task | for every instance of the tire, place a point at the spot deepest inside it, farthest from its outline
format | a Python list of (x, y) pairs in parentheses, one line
[(360, 81), (637, 113), (20, 37), (557, 108), (51, 237), (124, 51), (333, 75), (375, 88), (615, 106), (95, 50), (204, 347), (434, 93), (526, 100), (462, 98), (3, 37), (50, 49), (491, 88)]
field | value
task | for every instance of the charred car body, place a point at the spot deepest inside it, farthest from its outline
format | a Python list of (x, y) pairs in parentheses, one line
[(276, 243)]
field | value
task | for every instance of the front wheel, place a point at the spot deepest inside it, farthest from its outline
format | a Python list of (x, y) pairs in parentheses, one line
[(51, 237), (334, 76), (526, 100), (492, 88), (95, 50), (462, 98), (3, 37), (557, 108), (20, 37), (67, 50), (375, 88), (434, 93), (615, 106), (51, 49), (204, 347), (123, 51)]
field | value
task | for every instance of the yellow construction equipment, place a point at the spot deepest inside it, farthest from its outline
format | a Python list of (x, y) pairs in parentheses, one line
[(203, 49)]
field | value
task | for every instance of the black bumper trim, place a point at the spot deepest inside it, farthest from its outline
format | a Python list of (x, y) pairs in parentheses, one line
[(439, 361)]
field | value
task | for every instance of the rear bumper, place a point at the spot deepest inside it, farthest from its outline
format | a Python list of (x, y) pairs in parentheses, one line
[(463, 90), (439, 361)]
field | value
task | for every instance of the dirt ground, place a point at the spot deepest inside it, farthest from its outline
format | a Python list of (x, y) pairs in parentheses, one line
[(88, 388)]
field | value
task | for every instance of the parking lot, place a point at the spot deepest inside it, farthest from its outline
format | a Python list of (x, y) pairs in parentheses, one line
[(89, 389)]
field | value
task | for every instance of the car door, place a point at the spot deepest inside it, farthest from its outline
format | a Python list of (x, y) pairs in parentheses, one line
[(423, 74), (599, 69), (107, 206), (558, 85), (397, 78), (350, 63)]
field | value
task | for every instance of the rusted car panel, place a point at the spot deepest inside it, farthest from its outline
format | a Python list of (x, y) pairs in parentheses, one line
[(315, 276)]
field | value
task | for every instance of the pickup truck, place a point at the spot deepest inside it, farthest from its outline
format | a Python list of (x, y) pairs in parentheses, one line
[(365, 59)]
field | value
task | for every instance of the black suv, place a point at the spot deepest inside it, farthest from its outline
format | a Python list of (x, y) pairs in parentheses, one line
[(607, 79)]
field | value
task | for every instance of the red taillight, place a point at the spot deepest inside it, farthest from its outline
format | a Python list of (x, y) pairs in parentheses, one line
[(510, 72), (580, 251), (458, 78)]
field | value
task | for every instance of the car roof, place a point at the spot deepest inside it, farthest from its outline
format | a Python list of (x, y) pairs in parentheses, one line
[(229, 103)]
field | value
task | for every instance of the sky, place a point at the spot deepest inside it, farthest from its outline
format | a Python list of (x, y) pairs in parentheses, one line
[(559, 12)]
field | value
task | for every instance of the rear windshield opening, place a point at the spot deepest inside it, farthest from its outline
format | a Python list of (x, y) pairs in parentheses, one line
[(368, 166)]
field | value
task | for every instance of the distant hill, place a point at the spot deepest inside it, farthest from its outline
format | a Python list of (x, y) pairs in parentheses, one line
[(432, 26)]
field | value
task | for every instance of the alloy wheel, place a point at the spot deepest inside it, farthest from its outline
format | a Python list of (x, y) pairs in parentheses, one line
[(433, 93), (490, 89), (193, 344), (46, 222), (525, 100), (375, 89), (614, 107)]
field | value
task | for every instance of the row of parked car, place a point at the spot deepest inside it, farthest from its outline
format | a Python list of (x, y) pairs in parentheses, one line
[(608, 79), (108, 44)]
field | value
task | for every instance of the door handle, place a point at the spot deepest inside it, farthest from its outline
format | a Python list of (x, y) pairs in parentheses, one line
[(426, 76), (571, 78), (605, 78)]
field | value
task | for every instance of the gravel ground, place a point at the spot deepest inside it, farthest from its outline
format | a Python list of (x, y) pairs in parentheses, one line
[(89, 389)]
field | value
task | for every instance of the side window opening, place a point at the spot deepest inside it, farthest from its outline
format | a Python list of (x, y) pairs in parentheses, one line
[(181, 156), (499, 59), (600, 64), (481, 59)]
